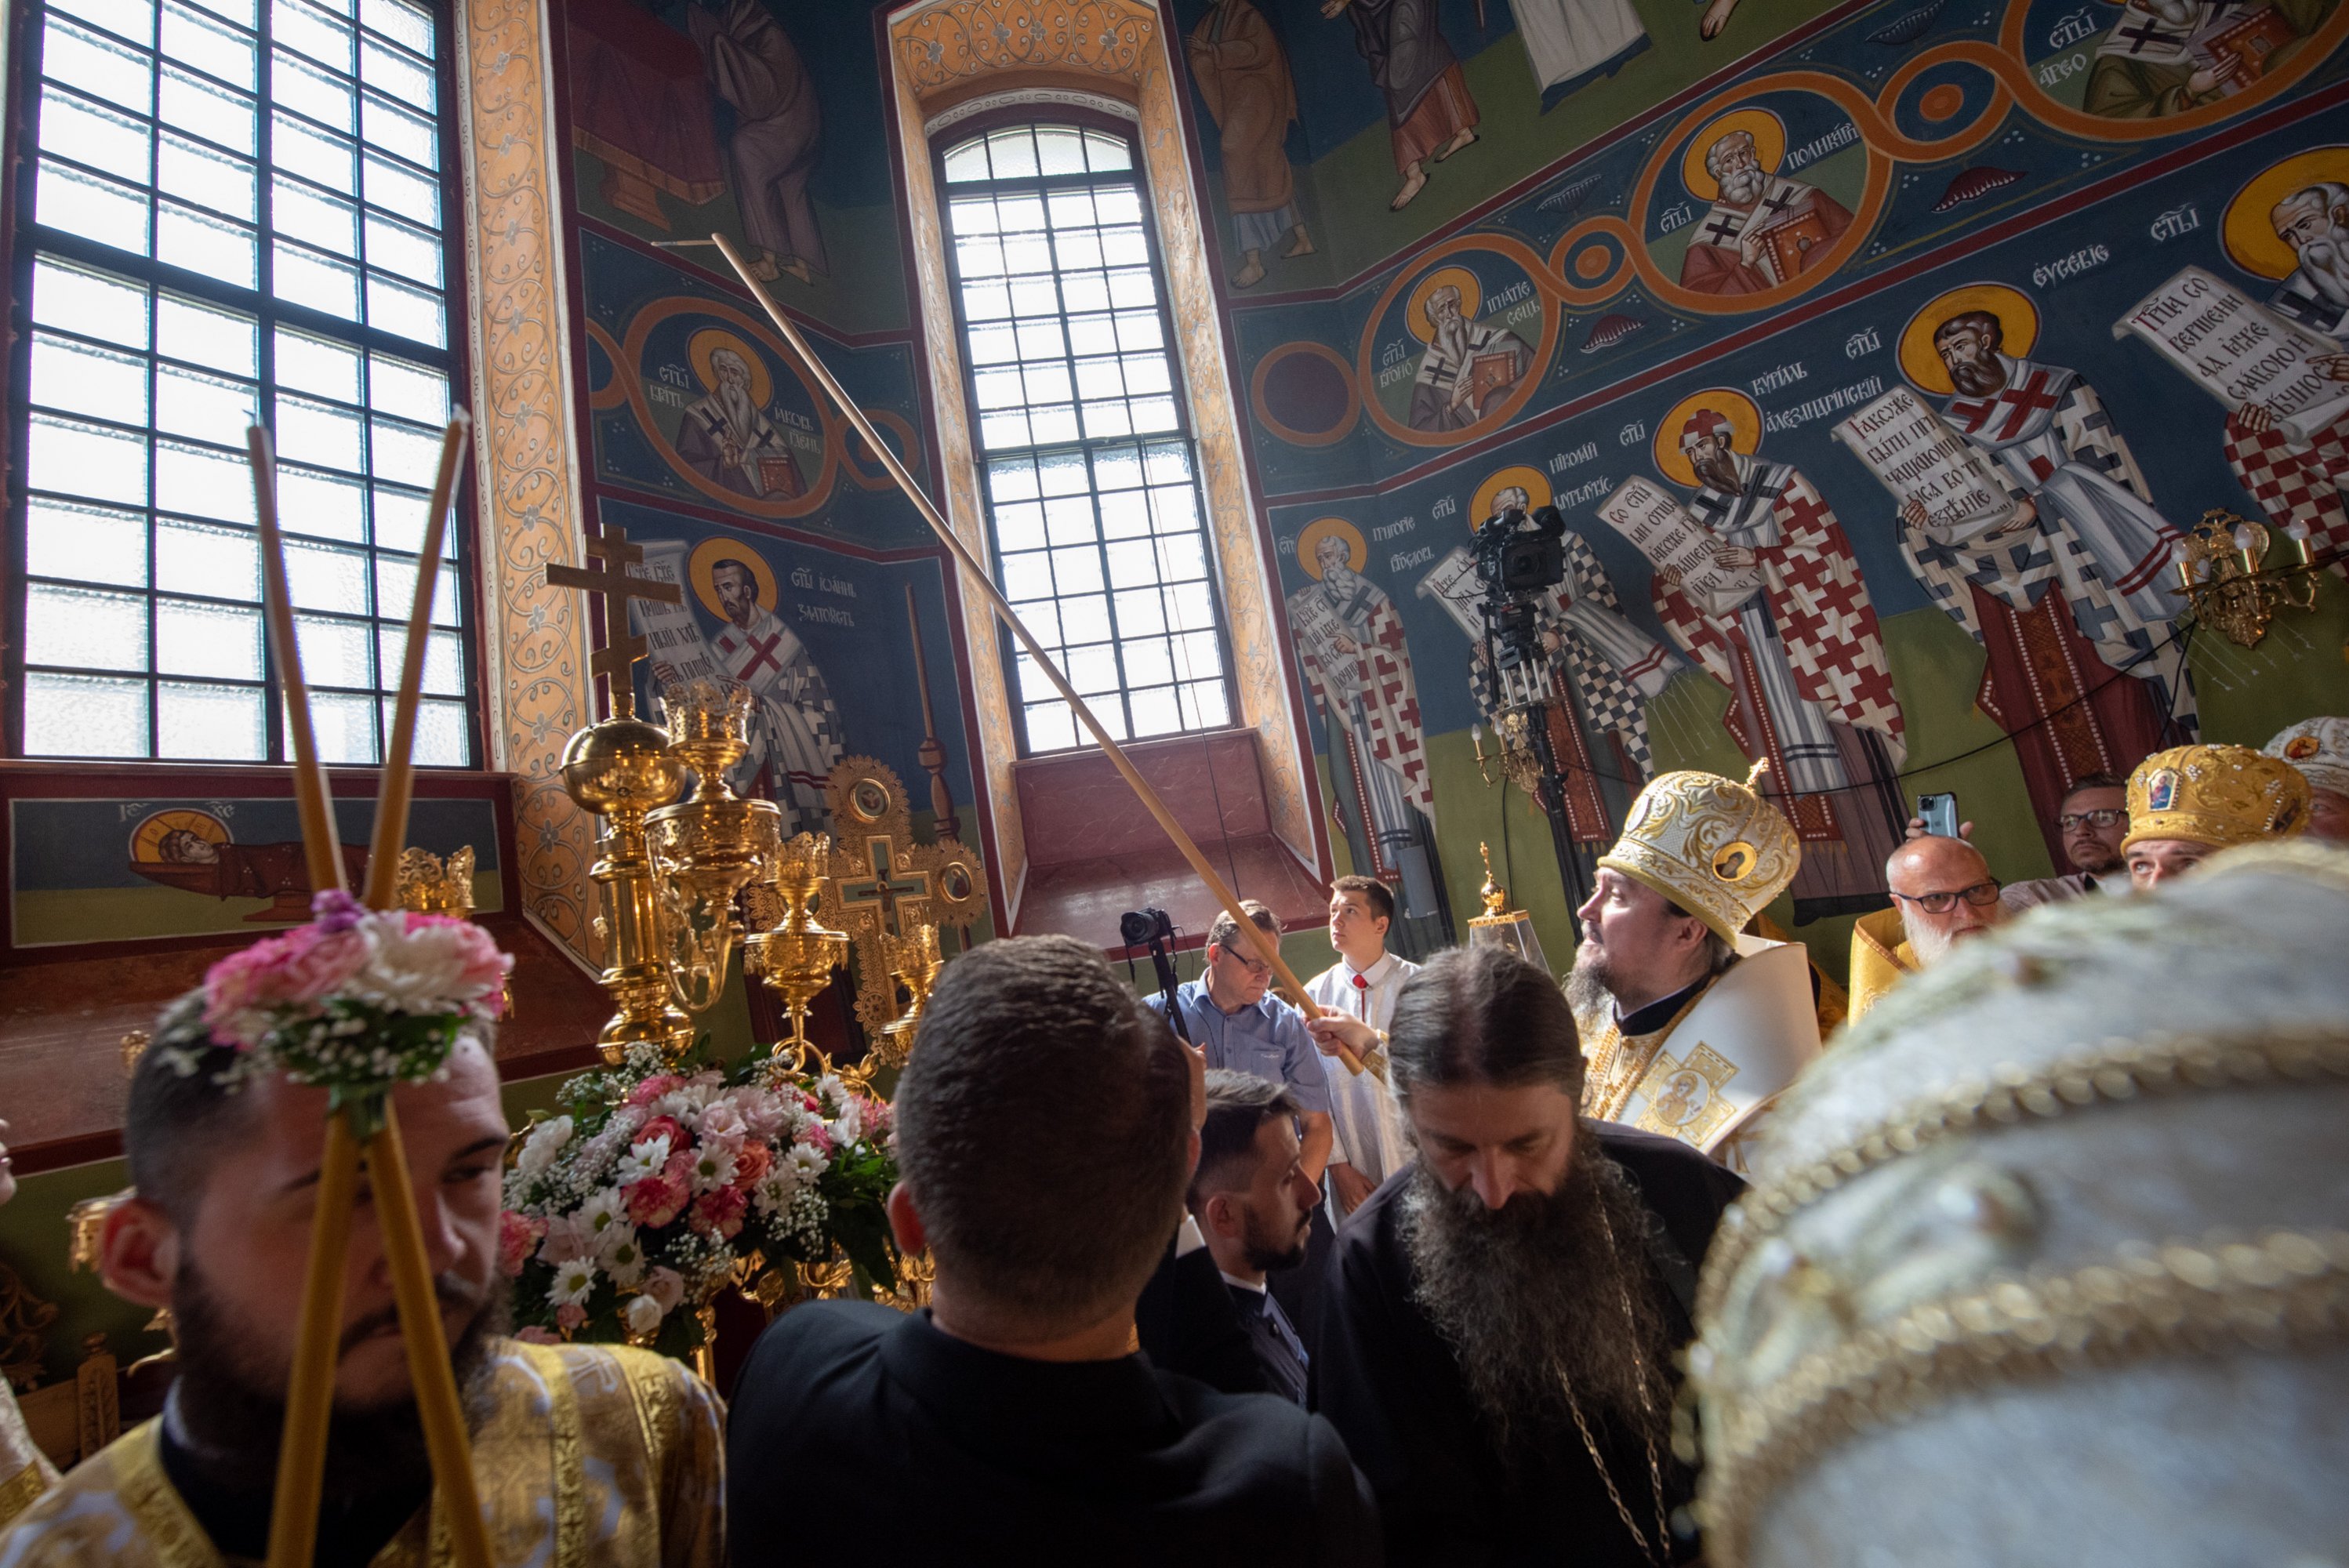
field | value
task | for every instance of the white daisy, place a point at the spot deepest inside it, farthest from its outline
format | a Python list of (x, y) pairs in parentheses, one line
[(546, 1140), (806, 1161), (714, 1165), (602, 1211), (575, 1282), (644, 1160), (622, 1255)]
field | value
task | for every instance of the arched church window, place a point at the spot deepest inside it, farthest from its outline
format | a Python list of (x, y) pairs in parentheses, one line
[(230, 210), (1084, 438)]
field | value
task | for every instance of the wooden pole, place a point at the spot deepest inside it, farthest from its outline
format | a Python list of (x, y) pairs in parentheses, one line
[(322, 843), (1266, 947), (310, 1387), (399, 785), (436, 1404)]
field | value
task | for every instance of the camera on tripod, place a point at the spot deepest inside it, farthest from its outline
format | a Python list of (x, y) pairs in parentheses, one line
[(1518, 559), (1141, 927)]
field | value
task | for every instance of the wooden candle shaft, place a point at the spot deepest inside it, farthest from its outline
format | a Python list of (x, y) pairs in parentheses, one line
[(428, 1346), (1266, 948), (321, 841), (398, 785), (310, 1387)]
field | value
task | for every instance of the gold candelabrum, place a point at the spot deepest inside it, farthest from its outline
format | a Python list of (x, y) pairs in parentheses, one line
[(1501, 926), (914, 964), (797, 956), (708, 848), (668, 870), (2220, 574)]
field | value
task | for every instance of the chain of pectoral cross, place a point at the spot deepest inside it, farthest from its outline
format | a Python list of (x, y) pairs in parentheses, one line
[(616, 585)]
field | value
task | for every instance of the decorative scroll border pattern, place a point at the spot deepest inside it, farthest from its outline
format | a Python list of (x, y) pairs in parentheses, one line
[(942, 52), (537, 667)]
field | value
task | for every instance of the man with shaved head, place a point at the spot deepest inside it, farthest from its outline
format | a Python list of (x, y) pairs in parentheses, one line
[(1943, 895)]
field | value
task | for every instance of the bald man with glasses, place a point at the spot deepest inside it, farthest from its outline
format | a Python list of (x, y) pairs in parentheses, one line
[(1943, 895)]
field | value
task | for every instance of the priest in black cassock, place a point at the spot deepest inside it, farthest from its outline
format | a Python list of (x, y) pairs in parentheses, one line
[(1045, 1135), (1502, 1317)]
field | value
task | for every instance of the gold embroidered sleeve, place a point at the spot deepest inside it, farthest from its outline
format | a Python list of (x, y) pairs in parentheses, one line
[(687, 1421)]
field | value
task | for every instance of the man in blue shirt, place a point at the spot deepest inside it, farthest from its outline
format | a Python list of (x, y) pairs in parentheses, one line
[(1236, 1024)]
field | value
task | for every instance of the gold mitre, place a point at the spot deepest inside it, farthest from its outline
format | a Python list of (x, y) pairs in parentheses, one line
[(2215, 795), (1711, 845)]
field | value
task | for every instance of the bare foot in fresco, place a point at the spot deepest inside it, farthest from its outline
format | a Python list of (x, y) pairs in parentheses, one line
[(1414, 180), (1716, 16), (1467, 134), (1252, 271), (1303, 246)]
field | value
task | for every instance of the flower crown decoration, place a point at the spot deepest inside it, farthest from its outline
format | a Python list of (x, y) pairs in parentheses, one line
[(354, 1002)]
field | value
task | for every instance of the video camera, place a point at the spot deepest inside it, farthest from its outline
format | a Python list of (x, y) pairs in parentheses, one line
[(1518, 559), (1154, 929)]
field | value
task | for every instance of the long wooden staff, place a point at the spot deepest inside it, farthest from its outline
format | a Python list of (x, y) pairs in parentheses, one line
[(1266, 948), (310, 1387)]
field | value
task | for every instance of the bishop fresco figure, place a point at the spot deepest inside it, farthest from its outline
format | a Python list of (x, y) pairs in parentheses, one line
[(1350, 641), (725, 436), (2165, 56), (1763, 228), (795, 731), (1468, 368), (2074, 582), (2300, 482), (1794, 637)]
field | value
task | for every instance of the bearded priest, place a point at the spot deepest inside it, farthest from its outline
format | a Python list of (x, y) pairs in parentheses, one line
[(1691, 1028), (1503, 1319)]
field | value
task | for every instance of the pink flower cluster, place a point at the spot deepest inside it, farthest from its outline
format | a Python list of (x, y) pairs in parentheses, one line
[(418, 964)]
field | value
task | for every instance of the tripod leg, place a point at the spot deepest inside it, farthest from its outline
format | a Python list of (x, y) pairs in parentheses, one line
[(310, 1387), (427, 1345)]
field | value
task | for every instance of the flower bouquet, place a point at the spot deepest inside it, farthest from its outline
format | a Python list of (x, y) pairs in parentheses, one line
[(661, 1177)]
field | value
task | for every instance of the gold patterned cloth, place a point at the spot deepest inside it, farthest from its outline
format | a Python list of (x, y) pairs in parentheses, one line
[(26, 1471), (1711, 845), (592, 1456), (2215, 795), (1710, 1074), (1880, 956)]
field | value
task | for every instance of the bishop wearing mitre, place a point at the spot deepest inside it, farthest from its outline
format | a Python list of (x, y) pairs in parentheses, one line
[(1690, 1027)]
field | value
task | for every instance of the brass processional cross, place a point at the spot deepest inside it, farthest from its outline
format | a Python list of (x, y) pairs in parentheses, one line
[(622, 647)]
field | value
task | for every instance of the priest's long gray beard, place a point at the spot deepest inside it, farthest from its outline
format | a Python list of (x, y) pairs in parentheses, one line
[(1742, 186), (1534, 1301)]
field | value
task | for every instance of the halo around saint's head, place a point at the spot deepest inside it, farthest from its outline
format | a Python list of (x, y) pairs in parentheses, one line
[(704, 565), (1745, 430), (1532, 480), (1308, 544), (2018, 321), (2248, 230), (1472, 297), (704, 345), (1769, 134)]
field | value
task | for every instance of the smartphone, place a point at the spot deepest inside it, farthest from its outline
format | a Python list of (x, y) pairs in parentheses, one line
[(1940, 814)]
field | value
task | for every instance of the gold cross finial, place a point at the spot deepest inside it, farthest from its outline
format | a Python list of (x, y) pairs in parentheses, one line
[(622, 648)]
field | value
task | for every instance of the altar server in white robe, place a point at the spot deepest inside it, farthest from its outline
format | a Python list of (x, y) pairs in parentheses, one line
[(1360, 991)]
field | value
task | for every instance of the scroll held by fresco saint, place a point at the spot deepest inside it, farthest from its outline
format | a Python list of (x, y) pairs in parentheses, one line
[(1683, 551), (1922, 462), (670, 632), (2242, 353)]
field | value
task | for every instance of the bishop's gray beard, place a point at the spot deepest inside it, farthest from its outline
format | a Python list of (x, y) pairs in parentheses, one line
[(1743, 187), (1535, 1300), (1590, 986), (1977, 377), (2326, 263), (741, 417)]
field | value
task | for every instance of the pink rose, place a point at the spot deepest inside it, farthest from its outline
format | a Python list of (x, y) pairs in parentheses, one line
[(752, 1161), (723, 1122), (720, 1211), (652, 1089), (665, 1286), (659, 1127), (534, 1335), (655, 1200), (818, 1137), (517, 1234), (568, 1318), (762, 1112), (679, 1168)]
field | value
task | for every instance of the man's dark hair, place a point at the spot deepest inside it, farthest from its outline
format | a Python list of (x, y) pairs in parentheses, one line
[(1238, 1105), (1380, 896), (1482, 1015), (1225, 929), (2092, 782), (1055, 1222), (1981, 321), (175, 1121)]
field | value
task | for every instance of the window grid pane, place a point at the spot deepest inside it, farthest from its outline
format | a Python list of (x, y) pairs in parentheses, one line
[(284, 151), (1093, 494)]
